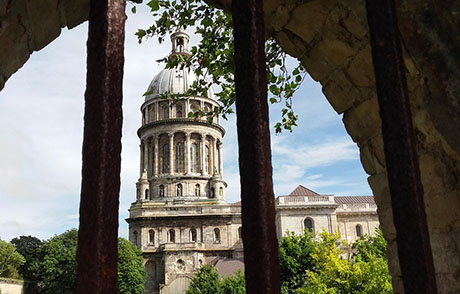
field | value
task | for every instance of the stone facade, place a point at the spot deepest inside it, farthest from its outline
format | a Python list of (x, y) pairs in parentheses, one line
[(180, 219)]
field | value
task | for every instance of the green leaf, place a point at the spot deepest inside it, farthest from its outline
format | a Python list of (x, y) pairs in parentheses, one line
[(133, 9), (154, 5)]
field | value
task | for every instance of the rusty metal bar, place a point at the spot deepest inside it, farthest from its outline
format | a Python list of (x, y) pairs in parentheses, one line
[(97, 236), (258, 207), (406, 189)]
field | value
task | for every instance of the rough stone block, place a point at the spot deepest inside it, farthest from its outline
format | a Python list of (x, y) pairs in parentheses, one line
[(340, 92), (373, 156), (361, 69), (333, 50), (307, 20), (363, 121), (44, 21)]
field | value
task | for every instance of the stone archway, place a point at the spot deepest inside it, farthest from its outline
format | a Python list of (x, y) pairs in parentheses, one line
[(28, 26), (332, 42)]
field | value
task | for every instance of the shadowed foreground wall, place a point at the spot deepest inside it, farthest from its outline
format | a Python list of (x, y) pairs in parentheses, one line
[(332, 41)]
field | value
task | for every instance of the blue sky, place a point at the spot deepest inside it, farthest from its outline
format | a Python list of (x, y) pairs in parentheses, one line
[(41, 125)]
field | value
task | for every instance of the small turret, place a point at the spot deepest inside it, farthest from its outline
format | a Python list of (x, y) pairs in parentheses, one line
[(180, 41)]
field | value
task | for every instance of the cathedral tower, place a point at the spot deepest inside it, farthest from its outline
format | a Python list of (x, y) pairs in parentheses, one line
[(181, 157), (180, 219)]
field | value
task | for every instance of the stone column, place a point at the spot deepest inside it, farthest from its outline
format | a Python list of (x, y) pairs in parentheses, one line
[(187, 107), (221, 165), (214, 157), (171, 153), (170, 110), (141, 159), (156, 148), (202, 153), (146, 155), (187, 152)]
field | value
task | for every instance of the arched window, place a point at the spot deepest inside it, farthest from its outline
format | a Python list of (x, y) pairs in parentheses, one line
[(135, 238), (216, 235), (151, 237), (179, 110), (172, 236), (180, 158), (146, 194), (213, 192), (358, 231), (197, 190), (206, 159), (164, 159), (221, 191), (162, 191), (192, 235), (138, 194), (179, 190), (195, 154), (308, 225), (240, 233), (194, 107), (165, 112)]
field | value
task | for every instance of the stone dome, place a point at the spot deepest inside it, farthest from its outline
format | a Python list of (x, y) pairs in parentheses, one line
[(179, 79), (174, 80)]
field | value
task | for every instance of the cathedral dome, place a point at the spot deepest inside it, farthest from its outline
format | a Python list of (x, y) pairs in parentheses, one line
[(174, 80)]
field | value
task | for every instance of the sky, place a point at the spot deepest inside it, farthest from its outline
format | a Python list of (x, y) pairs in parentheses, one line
[(41, 129)]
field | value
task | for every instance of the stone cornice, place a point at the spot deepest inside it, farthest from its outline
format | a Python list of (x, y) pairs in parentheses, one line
[(173, 121)]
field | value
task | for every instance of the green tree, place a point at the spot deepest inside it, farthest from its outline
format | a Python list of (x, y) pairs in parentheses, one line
[(28, 247), (295, 259), (206, 281), (336, 275), (234, 284), (131, 272), (56, 269), (367, 246), (10, 260), (214, 55)]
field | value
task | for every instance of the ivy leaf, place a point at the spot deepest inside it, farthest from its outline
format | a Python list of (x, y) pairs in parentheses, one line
[(133, 9)]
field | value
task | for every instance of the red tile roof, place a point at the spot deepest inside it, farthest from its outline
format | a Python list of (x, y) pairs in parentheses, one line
[(302, 191), (354, 199)]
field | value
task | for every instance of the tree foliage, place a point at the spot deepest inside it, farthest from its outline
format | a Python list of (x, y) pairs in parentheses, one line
[(367, 247), (334, 274), (131, 272), (55, 270), (295, 259), (10, 260), (28, 247), (212, 59), (208, 281)]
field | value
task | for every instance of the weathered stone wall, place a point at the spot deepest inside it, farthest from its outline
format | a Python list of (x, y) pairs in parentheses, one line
[(29, 25), (331, 39)]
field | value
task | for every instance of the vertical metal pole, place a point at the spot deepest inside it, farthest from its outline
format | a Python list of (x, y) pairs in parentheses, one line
[(406, 189), (258, 207), (97, 236)]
